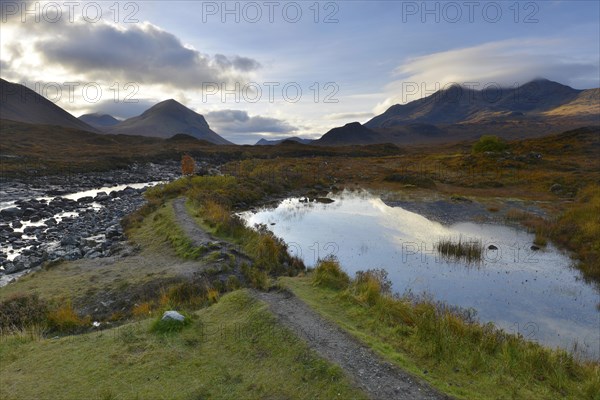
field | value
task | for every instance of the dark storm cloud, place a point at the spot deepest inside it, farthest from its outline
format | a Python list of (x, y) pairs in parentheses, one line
[(238, 121), (141, 53)]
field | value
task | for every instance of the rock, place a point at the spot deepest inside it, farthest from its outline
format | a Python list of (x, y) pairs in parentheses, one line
[(534, 247), (29, 212), (172, 315), (69, 240), (324, 200), (556, 188), (113, 232), (11, 212)]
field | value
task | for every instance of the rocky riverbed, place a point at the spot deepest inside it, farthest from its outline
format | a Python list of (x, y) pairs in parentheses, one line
[(54, 218)]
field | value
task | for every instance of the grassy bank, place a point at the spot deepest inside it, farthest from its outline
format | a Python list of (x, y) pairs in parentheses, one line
[(233, 349), (459, 356), (465, 359)]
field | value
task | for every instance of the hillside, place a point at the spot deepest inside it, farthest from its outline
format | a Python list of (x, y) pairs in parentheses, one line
[(538, 108), (98, 120), (350, 134), (19, 103), (166, 119), (266, 142), (463, 105)]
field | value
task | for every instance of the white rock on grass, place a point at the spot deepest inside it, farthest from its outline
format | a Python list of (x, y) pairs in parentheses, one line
[(174, 315)]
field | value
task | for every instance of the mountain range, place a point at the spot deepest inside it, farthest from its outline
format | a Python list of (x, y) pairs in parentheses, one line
[(21, 104), (163, 120), (266, 142), (457, 113), (166, 119), (99, 121), (453, 114)]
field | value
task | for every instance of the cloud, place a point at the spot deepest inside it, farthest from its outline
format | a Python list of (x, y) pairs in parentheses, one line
[(238, 121), (350, 116), (239, 127), (141, 53), (505, 63), (122, 110)]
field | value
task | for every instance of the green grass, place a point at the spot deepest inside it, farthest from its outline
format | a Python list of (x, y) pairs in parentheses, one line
[(467, 360), (162, 223), (231, 350), (169, 326)]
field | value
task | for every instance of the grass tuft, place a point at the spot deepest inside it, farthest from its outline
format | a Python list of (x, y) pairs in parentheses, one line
[(329, 273), (467, 250), (64, 319)]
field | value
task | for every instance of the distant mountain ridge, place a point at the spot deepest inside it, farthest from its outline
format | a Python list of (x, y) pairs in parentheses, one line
[(461, 105), (166, 119), (266, 142), (99, 121), (21, 104), (458, 113)]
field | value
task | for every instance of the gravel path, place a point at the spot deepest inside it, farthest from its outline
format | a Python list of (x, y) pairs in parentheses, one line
[(379, 379), (192, 230)]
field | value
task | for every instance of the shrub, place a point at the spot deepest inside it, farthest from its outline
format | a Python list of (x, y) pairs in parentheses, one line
[(65, 319), (257, 278), (329, 274), (186, 293), (21, 311), (414, 180), (212, 295), (370, 287), (142, 310), (489, 143), (232, 283)]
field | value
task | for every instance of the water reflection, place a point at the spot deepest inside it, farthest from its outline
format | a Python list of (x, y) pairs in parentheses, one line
[(535, 293)]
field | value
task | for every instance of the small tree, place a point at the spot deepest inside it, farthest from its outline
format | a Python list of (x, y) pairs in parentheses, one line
[(489, 143), (188, 165)]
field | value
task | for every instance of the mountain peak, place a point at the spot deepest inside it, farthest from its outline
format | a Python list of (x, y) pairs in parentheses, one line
[(19, 103), (351, 133), (170, 106), (99, 120), (166, 119)]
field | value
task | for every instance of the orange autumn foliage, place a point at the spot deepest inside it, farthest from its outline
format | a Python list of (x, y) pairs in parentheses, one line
[(188, 165)]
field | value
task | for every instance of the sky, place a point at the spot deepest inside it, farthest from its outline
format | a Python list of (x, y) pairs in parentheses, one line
[(272, 69)]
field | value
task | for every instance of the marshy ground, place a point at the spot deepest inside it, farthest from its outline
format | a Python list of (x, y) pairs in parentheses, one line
[(192, 255)]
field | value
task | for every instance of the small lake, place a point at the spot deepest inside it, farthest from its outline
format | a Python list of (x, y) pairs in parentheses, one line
[(535, 293)]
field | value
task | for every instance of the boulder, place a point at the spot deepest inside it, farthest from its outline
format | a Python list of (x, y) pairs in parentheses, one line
[(11, 212), (172, 315)]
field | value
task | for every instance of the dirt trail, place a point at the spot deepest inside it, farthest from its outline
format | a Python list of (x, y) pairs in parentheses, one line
[(200, 237), (379, 379), (192, 230)]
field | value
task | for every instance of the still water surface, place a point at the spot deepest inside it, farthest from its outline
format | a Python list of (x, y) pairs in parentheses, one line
[(535, 293)]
